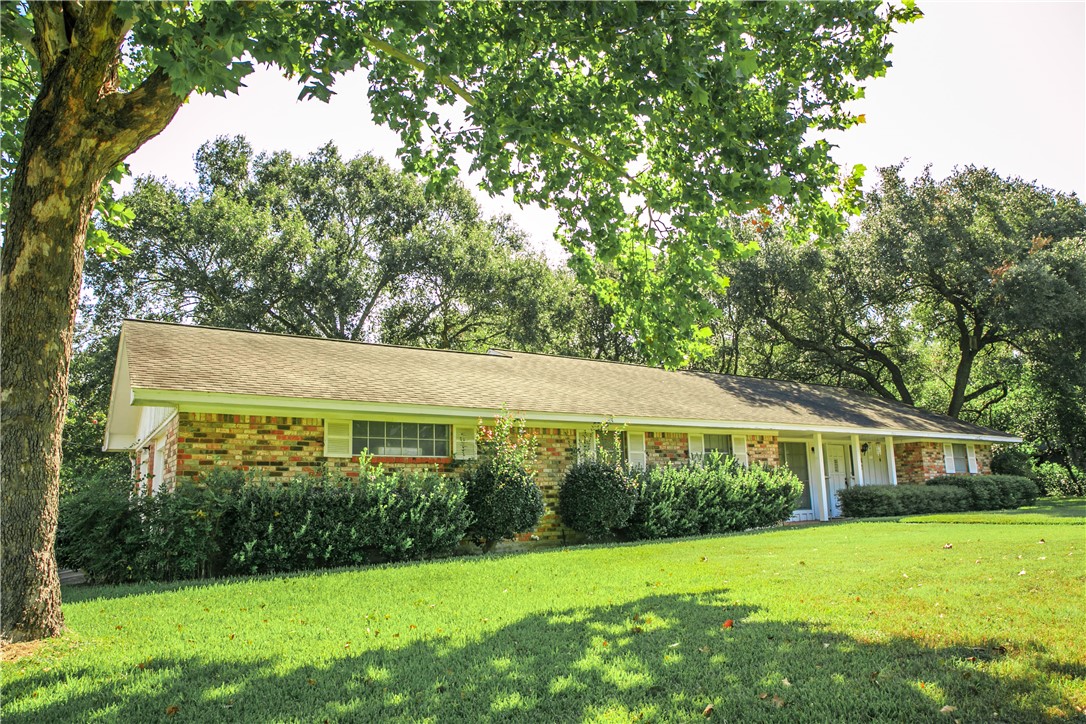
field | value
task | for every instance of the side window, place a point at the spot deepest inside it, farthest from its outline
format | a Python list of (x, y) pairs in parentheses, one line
[(961, 458), (718, 443)]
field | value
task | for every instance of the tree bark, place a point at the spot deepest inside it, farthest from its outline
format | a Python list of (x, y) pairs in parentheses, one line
[(76, 132)]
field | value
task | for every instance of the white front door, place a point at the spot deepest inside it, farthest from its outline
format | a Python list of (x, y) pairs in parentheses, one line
[(836, 475)]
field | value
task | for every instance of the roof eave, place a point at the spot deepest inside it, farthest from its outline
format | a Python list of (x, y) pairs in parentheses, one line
[(195, 401)]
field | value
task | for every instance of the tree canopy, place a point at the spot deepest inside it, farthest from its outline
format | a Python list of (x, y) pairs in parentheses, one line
[(643, 124)]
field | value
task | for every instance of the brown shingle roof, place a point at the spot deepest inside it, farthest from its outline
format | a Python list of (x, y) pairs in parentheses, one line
[(201, 359)]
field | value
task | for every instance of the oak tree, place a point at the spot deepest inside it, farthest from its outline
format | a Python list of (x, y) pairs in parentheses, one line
[(641, 124)]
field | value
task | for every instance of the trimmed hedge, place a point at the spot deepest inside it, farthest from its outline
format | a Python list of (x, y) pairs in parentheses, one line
[(312, 523), (875, 501), (992, 492), (224, 524), (944, 494), (596, 498), (716, 495)]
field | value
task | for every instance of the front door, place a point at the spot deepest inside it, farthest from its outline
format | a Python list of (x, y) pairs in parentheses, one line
[(836, 475)]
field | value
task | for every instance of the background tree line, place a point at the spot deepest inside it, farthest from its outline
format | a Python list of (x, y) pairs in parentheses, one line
[(965, 296)]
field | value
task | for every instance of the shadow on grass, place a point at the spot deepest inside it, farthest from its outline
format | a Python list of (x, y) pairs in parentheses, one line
[(661, 658)]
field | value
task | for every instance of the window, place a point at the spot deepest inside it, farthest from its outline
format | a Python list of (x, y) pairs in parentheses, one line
[(961, 459), (612, 443), (718, 443), (400, 439)]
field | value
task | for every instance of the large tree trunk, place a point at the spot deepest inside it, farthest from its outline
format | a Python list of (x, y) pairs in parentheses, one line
[(78, 129), (42, 269)]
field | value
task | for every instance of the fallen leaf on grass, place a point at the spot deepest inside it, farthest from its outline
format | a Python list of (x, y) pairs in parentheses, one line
[(777, 701), (786, 682), (1022, 572), (708, 711), (948, 545), (763, 695), (311, 682), (172, 710), (728, 624), (948, 709)]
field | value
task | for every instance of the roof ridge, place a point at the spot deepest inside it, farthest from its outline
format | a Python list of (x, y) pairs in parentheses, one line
[(166, 323)]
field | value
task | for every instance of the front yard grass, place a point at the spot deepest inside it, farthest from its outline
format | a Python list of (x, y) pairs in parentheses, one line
[(1047, 511), (866, 621)]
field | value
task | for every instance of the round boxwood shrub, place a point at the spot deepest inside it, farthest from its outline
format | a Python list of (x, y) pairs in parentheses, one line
[(502, 494), (596, 498)]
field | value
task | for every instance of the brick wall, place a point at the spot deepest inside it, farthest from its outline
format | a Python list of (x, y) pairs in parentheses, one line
[(763, 449), (283, 447), (984, 459), (918, 462), (273, 447), (666, 448)]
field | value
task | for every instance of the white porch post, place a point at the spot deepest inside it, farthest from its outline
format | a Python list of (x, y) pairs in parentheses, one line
[(824, 509), (891, 463), (857, 460)]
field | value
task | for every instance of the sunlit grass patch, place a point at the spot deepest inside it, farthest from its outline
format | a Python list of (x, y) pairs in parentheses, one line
[(1047, 511)]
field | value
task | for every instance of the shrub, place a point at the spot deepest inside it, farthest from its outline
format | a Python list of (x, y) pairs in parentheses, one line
[(184, 527), (1012, 461), (100, 530), (873, 501), (992, 492), (715, 495), (331, 520), (501, 490), (1058, 480), (224, 523), (596, 498)]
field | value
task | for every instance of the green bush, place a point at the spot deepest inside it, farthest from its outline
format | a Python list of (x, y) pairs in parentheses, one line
[(332, 520), (185, 527), (502, 494), (992, 492), (874, 501), (225, 524), (1057, 480), (715, 495), (100, 530), (1012, 461), (596, 498)]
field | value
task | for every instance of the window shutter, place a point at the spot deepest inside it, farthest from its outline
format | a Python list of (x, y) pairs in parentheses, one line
[(337, 438), (696, 445), (739, 449), (948, 458), (971, 452), (465, 446), (586, 445), (635, 454)]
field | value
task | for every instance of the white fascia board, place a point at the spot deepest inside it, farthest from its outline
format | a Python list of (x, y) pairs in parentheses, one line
[(189, 401)]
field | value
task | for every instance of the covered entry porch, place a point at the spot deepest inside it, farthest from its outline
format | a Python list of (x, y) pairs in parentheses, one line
[(827, 464)]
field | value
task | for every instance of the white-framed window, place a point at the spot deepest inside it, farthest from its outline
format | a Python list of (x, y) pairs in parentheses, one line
[(718, 443), (961, 458), (400, 439)]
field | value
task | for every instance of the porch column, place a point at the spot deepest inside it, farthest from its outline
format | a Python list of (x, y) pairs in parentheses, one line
[(857, 460), (891, 464), (824, 508)]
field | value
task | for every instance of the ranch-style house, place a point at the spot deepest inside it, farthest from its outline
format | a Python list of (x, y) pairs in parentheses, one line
[(186, 398)]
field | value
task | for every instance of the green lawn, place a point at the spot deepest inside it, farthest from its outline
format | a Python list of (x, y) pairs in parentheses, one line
[(877, 621), (1047, 511)]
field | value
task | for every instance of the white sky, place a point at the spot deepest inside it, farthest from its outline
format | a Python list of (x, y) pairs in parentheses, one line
[(992, 84)]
